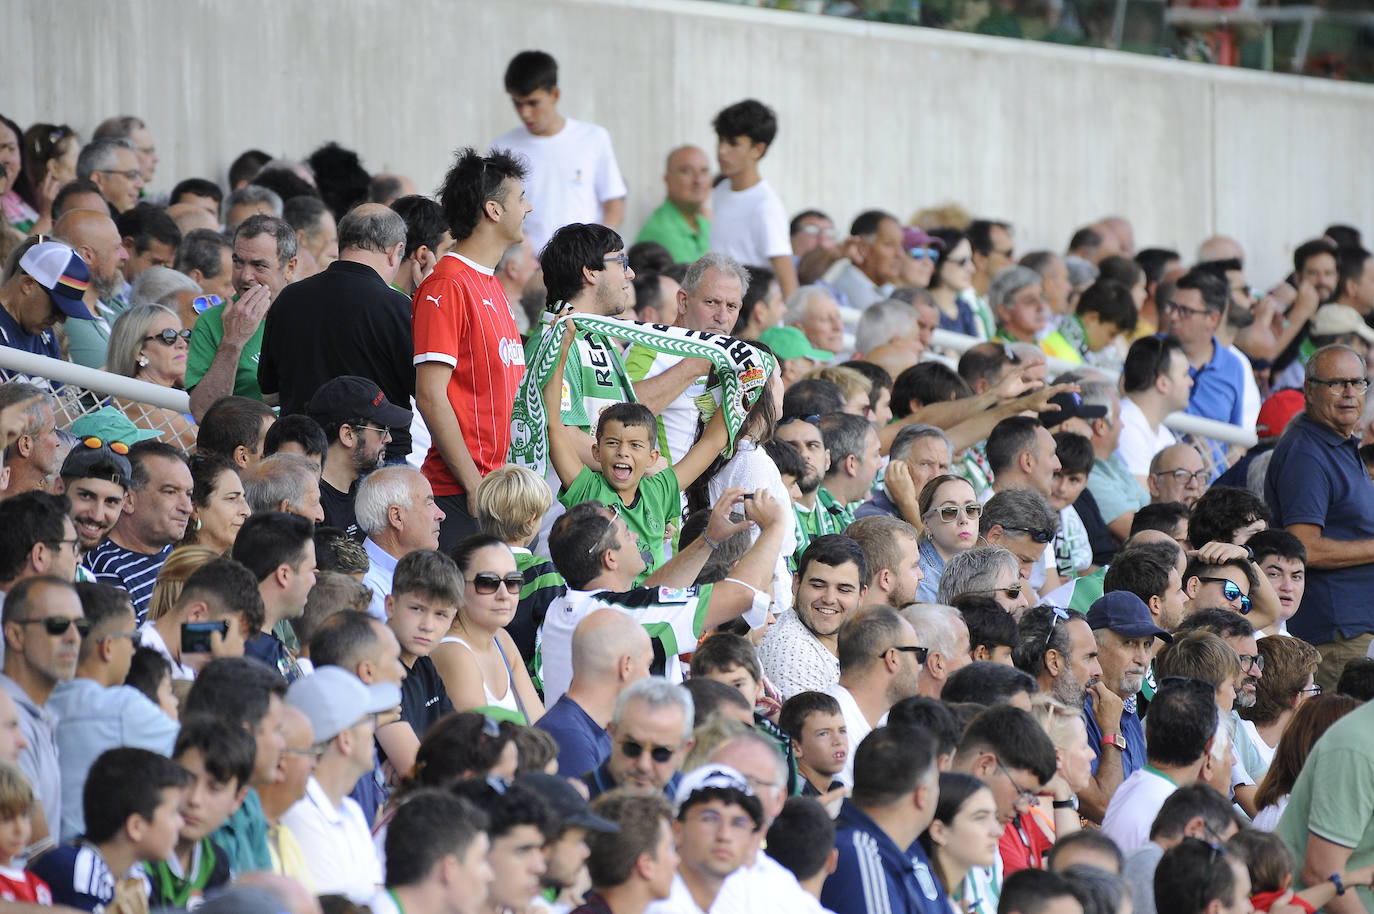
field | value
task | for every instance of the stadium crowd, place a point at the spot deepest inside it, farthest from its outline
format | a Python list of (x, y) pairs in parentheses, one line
[(498, 564)]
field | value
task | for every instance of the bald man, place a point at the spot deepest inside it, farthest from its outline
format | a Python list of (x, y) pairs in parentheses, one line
[(92, 233), (679, 224), (610, 650), (1220, 247)]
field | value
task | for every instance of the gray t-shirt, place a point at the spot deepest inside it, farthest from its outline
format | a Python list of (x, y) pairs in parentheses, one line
[(1139, 871)]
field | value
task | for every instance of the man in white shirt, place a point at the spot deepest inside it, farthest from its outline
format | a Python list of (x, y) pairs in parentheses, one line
[(1156, 383), (748, 219), (573, 174), (395, 508), (329, 826)]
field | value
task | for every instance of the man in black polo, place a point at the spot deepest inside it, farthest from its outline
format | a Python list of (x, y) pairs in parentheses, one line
[(358, 421), (351, 318)]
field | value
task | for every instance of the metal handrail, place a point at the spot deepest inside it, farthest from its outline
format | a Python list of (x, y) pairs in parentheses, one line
[(105, 383)]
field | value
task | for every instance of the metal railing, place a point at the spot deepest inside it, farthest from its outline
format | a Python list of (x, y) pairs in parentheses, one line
[(1182, 423)]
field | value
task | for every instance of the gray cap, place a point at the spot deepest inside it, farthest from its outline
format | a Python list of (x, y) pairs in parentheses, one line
[(334, 699)]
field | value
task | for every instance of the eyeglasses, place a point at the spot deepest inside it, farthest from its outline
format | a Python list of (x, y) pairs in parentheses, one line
[(1338, 384), (1039, 536), (1231, 591), (1175, 308), (316, 751), (133, 174), (58, 625), (921, 653), (169, 336), (379, 429), (1060, 614), (661, 754), (812, 419), (622, 259), (1313, 690), (1253, 662), (488, 582), (814, 229), (924, 253), (1183, 477), (1024, 798), (602, 541), (1012, 591), (92, 442), (948, 513)]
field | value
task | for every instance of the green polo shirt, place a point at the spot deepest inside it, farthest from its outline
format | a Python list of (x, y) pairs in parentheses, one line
[(669, 228), (205, 339)]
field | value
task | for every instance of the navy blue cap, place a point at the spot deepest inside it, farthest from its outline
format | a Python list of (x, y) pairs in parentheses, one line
[(1126, 614)]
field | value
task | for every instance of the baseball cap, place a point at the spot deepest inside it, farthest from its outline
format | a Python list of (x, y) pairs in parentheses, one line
[(791, 343), (352, 397), (88, 461), (1126, 614), (109, 424), (1338, 320), (708, 777), (1071, 406), (1277, 412), (568, 804), (913, 237), (61, 271), (334, 699)]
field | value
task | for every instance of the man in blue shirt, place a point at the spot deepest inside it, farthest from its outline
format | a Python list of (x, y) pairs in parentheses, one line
[(1318, 491), (45, 290), (881, 867)]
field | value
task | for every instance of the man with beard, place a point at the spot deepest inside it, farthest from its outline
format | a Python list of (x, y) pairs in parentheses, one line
[(891, 547), (95, 480), (1057, 647), (93, 235), (1125, 634), (804, 434), (357, 419)]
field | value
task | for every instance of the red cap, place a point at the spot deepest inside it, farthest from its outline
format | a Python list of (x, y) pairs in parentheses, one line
[(1276, 413)]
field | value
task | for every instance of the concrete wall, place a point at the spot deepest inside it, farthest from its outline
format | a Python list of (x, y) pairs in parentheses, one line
[(871, 115)]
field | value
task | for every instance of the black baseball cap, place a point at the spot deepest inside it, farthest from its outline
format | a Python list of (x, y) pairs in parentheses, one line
[(352, 397), (85, 461), (569, 805), (1071, 406)]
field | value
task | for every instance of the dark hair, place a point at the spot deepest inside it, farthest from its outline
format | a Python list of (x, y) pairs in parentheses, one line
[(1030, 891), (343, 639), (986, 683), (1267, 857), (629, 415), (1111, 301), (867, 222), (801, 837), (1009, 439), (1037, 631), (574, 559), (1090, 838), (1087, 238), (1153, 261), (1009, 733), (147, 669), (1213, 289), (1221, 511), (812, 397), (472, 182), (1221, 622), (795, 711), (237, 690), (428, 573), (425, 225), (26, 520), (227, 751), (340, 177), (785, 457), (719, 653), (126, 782), (1161, 515), (229, 585), (1119, 269), (989, 625), (280, 230), (302, 211), (926, 383), (984, 362), (429, 826), (1357, 679), (530, 71), (711, 696), (200, 250), (1148, 358), (573, 248), (517, 805), (648, 291), (877, 376), (247, 164), (296, 429), (232, 422), (761, 278), (652, 257), (890, 763), (932, 715), (951, 238), (456, 746), (1190, 876), (1277, 542), (1312, 720), (69, 190), (1288, 663), (832, 549), (197, 187), (1075, 453), (146, 223), (1310, 249), (1181, 722), (613, 854), (844, 436), (1138, 572), (979, 234), (1350, 261), (864, 635), (748, 118), (269, 539), (1098, 891), (956, 787)]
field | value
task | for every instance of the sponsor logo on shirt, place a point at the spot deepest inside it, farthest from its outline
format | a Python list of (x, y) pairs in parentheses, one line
[(512, 353)]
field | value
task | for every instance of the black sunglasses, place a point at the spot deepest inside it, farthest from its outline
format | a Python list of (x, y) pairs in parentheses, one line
[(631, 749), (169, 336), (58, 625), (813, 419), (921, 652), (1038, 536), (488, 582)]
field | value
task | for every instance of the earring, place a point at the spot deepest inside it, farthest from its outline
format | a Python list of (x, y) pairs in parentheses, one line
[(143, 361), (197, 524)]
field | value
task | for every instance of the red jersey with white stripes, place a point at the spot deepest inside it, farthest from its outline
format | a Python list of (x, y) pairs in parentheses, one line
[(460, 317)]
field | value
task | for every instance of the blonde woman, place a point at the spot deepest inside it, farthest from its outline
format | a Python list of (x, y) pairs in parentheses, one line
[(162, 631), (147, 342)]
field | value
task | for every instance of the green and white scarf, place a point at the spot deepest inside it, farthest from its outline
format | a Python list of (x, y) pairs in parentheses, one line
[(742, 370)]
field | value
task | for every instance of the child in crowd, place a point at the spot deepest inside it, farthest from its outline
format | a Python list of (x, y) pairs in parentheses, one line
[(151, 673), (1073, 551), (132, 802), (1283, 559), (991, 629), (626, 449), (219, 758), (425, 590), (820, 744), (790, 465), (1271, 867), (802, 839), (16, 799)]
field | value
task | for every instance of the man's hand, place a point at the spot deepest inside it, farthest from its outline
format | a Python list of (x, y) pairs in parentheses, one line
[(1039, 401), (1219, 553), (1305, 303), (902, 488), (765, 510), (721, 526), (1107, 708), (242, 317)]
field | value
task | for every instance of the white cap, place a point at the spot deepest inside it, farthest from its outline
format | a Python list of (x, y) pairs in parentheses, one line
[(334, 699)]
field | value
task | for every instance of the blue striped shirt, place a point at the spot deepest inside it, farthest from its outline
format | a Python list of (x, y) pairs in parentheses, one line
[(136, 572)]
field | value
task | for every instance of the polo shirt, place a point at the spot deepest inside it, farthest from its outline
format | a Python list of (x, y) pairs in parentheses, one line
[(543, 584), (136, 572), (380, 570), (657, 500), (356, 325), (670, 228), (1333, 797), (794, 660), (423, 697), (206, 337), (337, 844), (1115, 488), (1134, 806), (582, 745), (13, 336), (40, 759), (338, 508), (244, 837), (1218, 387), (1317, 477), (1133, 757), (874, 875)]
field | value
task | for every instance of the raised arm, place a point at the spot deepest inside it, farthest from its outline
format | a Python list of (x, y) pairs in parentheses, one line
[(241, 319), (682, 569), (562, 452), (712, 441), (755, 569)]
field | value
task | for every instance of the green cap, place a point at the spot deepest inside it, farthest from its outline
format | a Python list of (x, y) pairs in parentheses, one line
[(791, 343), (109, 424)]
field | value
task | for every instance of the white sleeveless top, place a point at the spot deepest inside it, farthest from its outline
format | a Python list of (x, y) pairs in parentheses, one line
[(508, 702)]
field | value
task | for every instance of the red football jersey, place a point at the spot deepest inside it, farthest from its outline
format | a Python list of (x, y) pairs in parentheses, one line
[(20, 885), (460, 317)]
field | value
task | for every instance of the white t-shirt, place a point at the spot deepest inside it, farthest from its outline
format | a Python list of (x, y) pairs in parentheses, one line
[(151, 637), (337, 844), (1137, 444), (749, 225), (764, 885), (1133, 808), (856, 725), (571, 175), (751, 468), (679, 901)]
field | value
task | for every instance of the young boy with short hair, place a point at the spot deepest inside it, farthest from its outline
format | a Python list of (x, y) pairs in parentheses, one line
[(131, 802), (733, 660), (820, 741), (16, 800), (426, 589), (790, 465), (1283, 559), (219, 758), (1073, 552), (626, 447)]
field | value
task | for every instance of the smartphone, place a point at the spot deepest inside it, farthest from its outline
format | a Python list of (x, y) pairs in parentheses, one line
[(195, 636)]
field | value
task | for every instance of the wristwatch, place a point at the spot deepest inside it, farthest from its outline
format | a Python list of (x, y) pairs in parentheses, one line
[(1070, 803), (1115, 739)]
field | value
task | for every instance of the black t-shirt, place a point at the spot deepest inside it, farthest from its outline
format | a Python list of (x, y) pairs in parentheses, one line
[(344, 321), (1099, 537), (423, 697), (338, 509)]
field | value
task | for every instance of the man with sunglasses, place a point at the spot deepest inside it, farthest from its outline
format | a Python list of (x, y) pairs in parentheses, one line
[(650, 734), (42, 642), (880, 664), (1208, 583), (1022, 522)]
